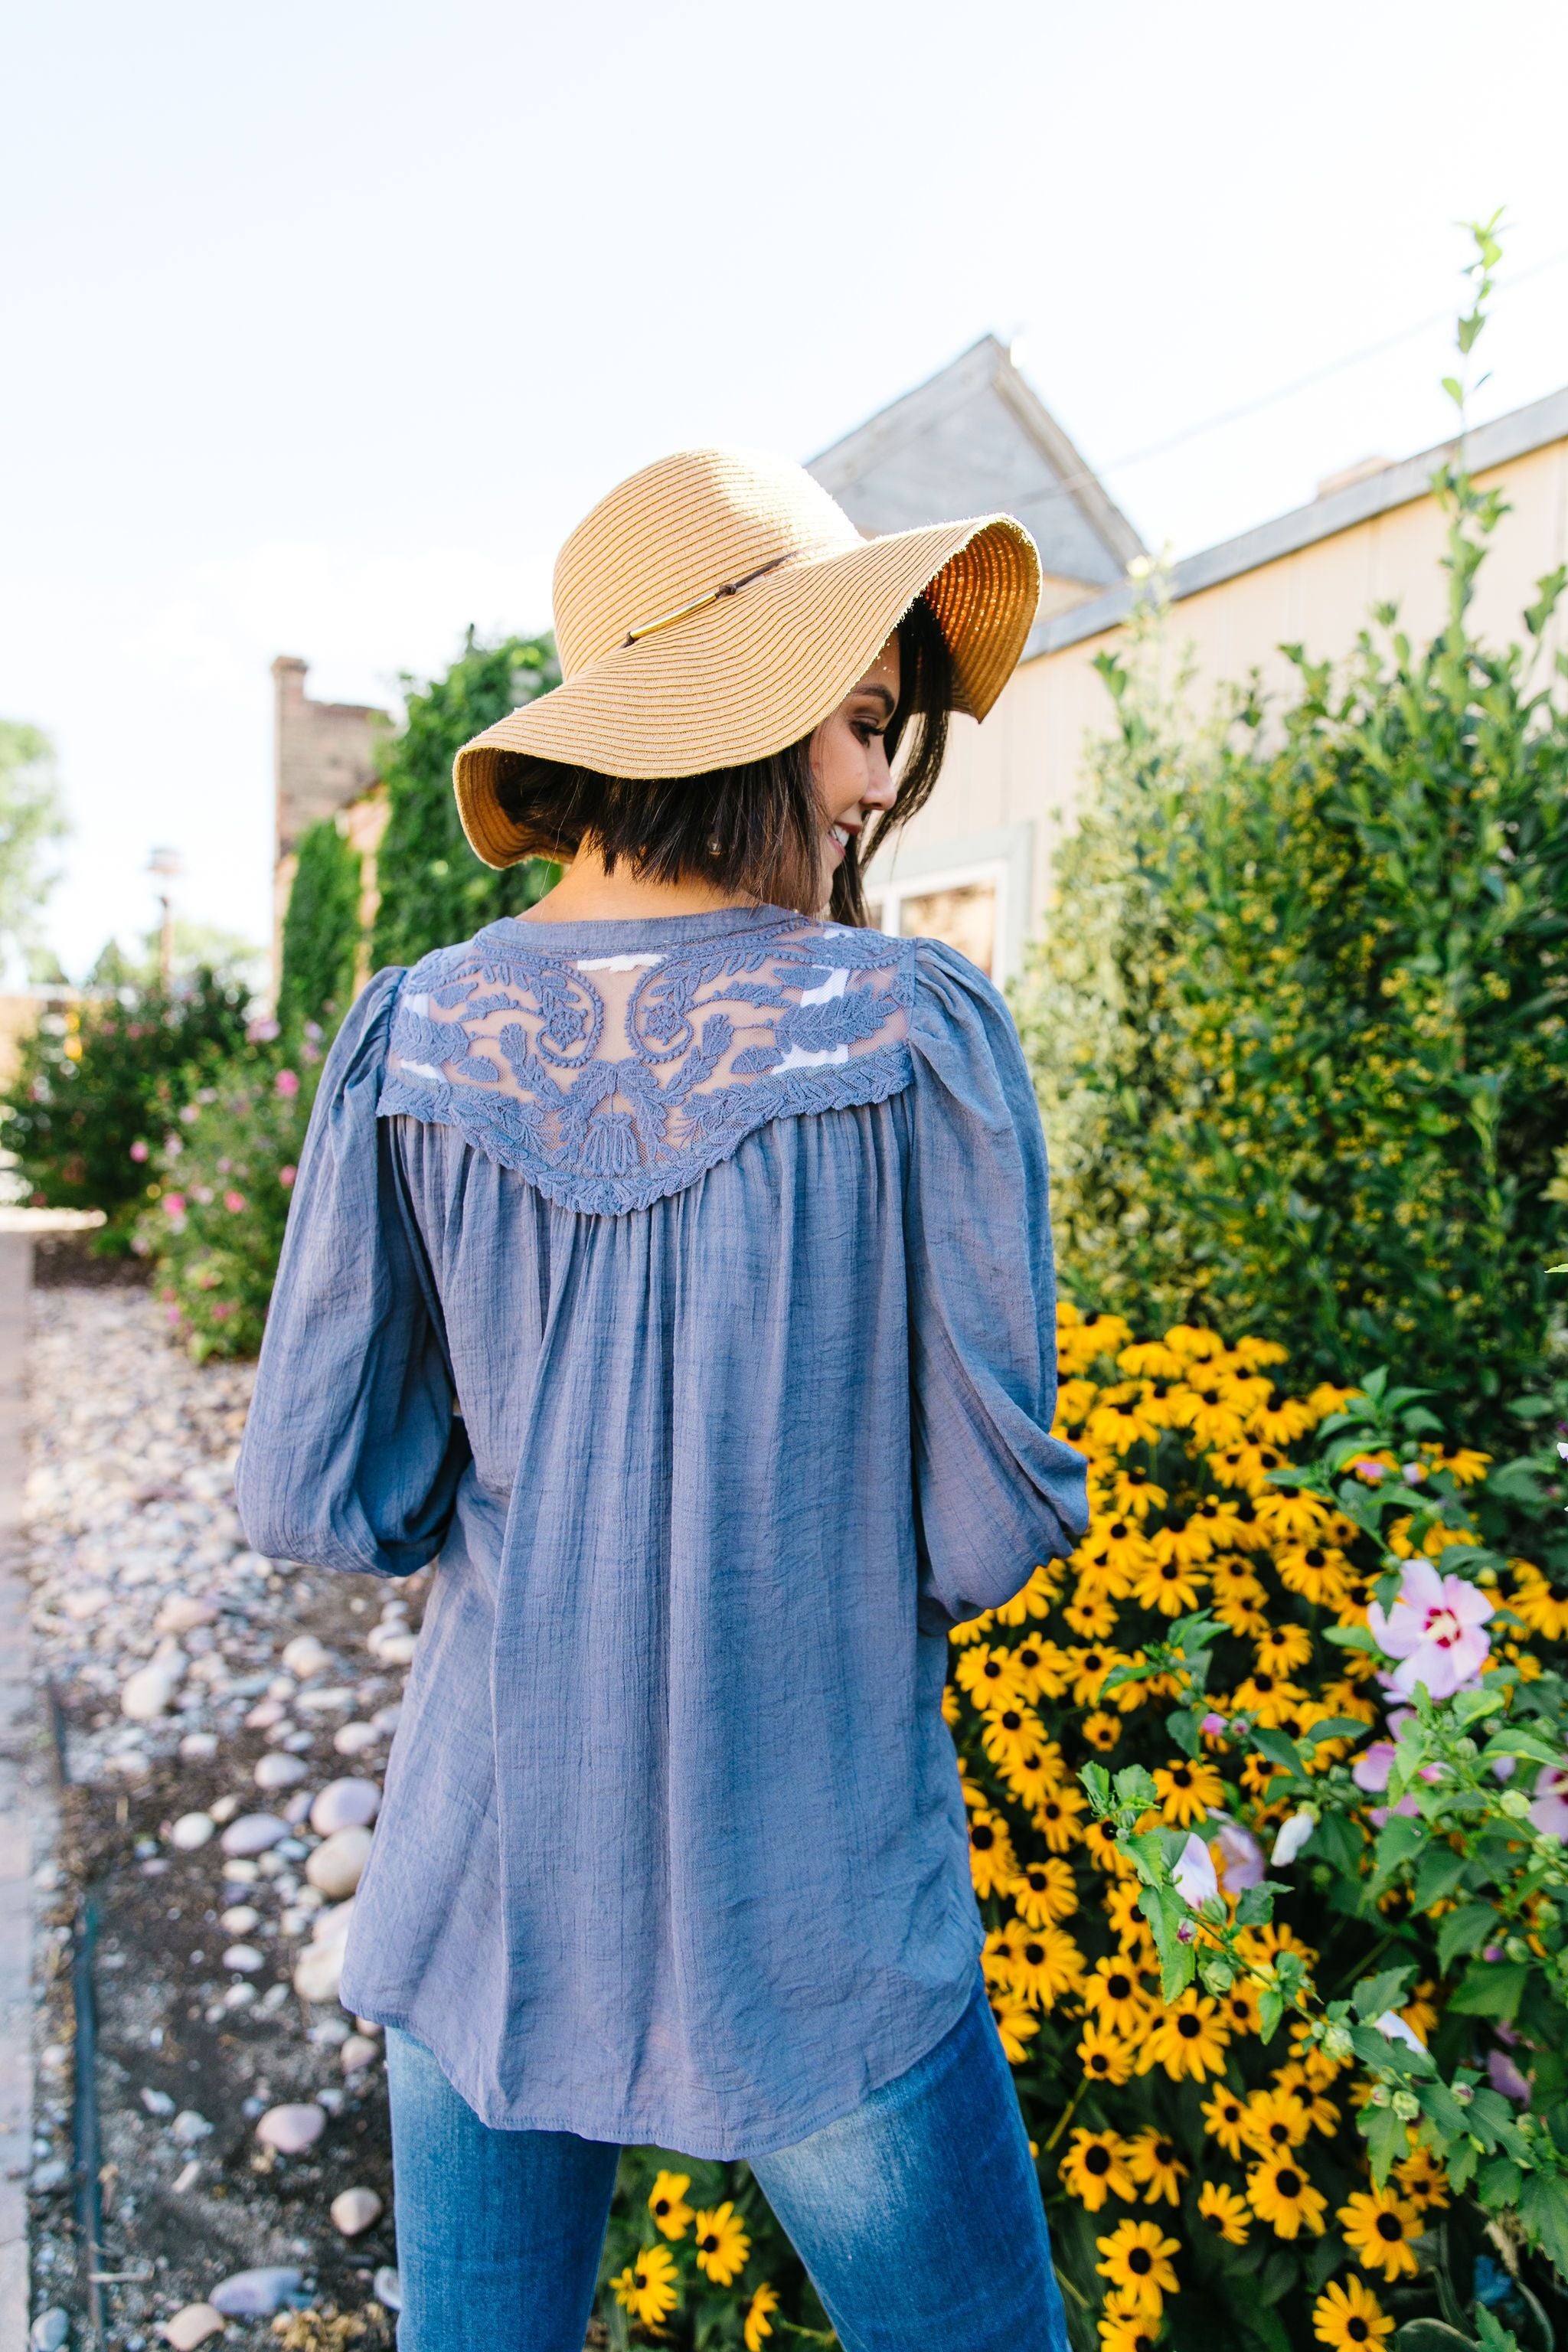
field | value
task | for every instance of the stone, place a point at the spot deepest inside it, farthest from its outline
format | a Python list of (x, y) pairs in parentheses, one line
[(196, 1744), (345, 1805), (149, 1692), (224, 1810), (82, 1605), (252, 1834), (157, 2103), (192, 2325), (191, 1830), (387, 2288), (49, 2330), (354, 2209), (265, 1714), (256, 2294), (394, 1649), (386, 1718), (354, 1738), (188, 2127), (324, 1702), (186, 2177), (319, 1972), (182, 1613), (239, 1919), (244, 1959), (305, 1656), (292, 2129), (338, 1863), (358, 2051), (240, 1994), (279, 1770), (51, 2174)]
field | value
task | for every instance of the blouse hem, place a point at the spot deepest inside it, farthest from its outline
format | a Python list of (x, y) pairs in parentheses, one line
[(650, 2131)]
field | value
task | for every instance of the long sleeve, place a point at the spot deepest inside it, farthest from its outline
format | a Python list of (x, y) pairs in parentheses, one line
[(352, 1454), (996, 1493)]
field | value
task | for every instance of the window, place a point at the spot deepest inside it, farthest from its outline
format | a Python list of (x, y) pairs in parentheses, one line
[(964, 906)]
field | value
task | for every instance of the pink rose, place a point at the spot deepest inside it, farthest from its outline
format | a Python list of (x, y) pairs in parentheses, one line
[(287, 1083), (261, 1032), (1435, 1629), (234, 1202), (138, 1151), (286, 1176), (174, 1204)]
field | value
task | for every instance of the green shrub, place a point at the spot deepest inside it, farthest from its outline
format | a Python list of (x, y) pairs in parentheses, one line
[(433, 889), (93, 1081), (1297, 1020), (321, 931), (224, 1174)]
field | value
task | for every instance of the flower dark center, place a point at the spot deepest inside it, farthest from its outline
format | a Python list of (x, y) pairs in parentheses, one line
[(1388, 2227), (1315, 1558), (1118, 1987), (984, 1836), (1119, 1530), (709, 2242), (1357, 2329), (1011, 1720), (1034, 1954), (1097, 2159), (1170, 1572), (1182, 1774), (1165, 2152), (1278, 2134), (1140, 2261), (1189, 2027), (1288, 2183)]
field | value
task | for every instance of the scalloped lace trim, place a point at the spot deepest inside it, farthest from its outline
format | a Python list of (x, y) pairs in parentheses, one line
[(613, 1081)]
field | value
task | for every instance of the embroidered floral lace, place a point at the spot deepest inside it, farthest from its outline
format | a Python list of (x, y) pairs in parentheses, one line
[(610, 1081)]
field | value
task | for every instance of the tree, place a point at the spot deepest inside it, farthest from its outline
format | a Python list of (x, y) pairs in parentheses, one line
[(30, 819), (433, 889), (321, 931)]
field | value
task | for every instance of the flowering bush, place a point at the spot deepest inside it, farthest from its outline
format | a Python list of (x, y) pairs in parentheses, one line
[(222, 1178), (1301, 2125)]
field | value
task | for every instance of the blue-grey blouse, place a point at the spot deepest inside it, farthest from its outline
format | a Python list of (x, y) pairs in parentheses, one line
[(685, 1287)]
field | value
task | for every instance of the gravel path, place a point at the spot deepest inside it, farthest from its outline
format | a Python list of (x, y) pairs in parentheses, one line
[(226, 1721)]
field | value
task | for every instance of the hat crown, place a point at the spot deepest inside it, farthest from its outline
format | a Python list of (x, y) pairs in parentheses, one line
[(678, 530)]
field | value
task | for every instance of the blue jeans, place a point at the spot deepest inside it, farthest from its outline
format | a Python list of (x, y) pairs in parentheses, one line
[(918, 2216)]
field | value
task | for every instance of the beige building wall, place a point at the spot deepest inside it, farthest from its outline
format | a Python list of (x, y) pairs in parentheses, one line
[(1011, 785)]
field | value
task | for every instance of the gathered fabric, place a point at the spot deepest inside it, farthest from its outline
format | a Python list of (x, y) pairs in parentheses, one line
[(685, 1287)]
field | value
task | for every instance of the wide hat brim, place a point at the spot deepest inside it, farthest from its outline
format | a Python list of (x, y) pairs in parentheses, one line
[(754, 672)]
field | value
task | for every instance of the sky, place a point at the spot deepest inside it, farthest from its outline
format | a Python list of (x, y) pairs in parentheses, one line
[(326, 323)]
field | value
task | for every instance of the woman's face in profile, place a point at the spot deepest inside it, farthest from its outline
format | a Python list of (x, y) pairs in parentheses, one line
[(850, 761)]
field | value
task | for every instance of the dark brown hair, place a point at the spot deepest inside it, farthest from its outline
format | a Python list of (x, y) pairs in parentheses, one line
[(755, 828)]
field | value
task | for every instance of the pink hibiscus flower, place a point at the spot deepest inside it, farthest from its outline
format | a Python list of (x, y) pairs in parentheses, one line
[(1549, 1811), (1435, 1629)]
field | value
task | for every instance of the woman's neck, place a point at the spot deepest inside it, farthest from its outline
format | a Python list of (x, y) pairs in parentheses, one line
[(586, 894)]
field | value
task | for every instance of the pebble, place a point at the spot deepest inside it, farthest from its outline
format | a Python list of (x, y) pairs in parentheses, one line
[(183, 1612), (245, 1958), (387, 2288), (319, 1972), (188, 2127), (338, 1863), (49, 2330), (252, 1834), (157, 2103), (50, 2174), (354, 2209), (224, 1810), (358, 2051), (292, 2129), (279, 1770), (354, 1738), (305, 1656), (192, 2325), (82, 1605), (192, 1829), (186, 2177), (345, 1805), (198, 1744), (239, 1919), (149, 1692), (256, 2294)]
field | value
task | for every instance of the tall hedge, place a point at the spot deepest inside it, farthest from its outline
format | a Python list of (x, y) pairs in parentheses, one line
[(1298, 1019), (433, 889), (321, 931)]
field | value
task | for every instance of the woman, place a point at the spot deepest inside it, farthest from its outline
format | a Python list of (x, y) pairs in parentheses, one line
[(674, 1262)]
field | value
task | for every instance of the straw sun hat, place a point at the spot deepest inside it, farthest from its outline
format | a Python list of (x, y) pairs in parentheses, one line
[(718, 606)]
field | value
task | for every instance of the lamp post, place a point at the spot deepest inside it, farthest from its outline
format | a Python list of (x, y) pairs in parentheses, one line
[(165, 868)]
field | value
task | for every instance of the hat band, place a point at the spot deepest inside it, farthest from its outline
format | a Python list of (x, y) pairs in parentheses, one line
[(700, 603)]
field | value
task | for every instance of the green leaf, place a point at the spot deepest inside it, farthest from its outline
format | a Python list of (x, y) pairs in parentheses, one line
[(1471, 1705), (1460, 1932), (1182, 1724), (1279, 1748), (1135, 1787), (1377, 2048), (1166, 1911), (1442, 2109), (1385, 2139), (1438, 1874), (1494, 2337), (1401, 1837), (1463, 2157), (1270, 2012), (1454, 390), (1351, 1637), (1517, 1742), (1096, 1781), (1375, 1995), (1497, 2183), (1489, 1989), (1543, 2209), (1338, 1727), (1254, 1907)]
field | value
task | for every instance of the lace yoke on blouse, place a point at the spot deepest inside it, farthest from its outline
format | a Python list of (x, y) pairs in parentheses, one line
[(611, 1081)]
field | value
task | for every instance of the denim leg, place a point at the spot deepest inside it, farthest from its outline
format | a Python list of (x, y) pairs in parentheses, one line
[(918, 2216), (498, 2232)]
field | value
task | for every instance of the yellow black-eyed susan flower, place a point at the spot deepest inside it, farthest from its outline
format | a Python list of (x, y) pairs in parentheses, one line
[(1137, 2260), (1100, 1730), (1115, 1995), (1046, 1892), (721, 2243), (1379, 2224), (757, 2328), (1105, 2057), (1055, 1817), (1126, 2331), (1094, 2169), (1423, 2180), (1349, 2318), (1225, 2211), (1187, 2038), (1280, 2193), (1225, 2119), (672, 2216), (646, 2287), (1189, 1791), (993, 1863), (1152, 2161)]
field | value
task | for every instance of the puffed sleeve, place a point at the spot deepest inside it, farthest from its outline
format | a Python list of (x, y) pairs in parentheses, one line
[(352, 1454), (996, 1493)]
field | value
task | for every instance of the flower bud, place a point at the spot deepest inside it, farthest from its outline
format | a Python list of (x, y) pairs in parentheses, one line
[(1405, 2106), (1515, 1804)]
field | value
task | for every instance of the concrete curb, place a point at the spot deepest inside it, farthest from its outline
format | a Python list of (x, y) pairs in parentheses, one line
[(25, 1803)]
